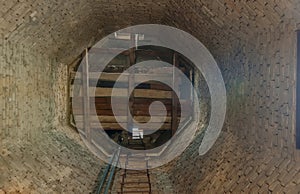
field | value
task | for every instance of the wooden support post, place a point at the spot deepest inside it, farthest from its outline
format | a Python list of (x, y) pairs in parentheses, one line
[(86, 97), (174, 114), (131, 82)]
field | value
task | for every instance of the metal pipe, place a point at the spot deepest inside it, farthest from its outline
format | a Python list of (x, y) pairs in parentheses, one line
[(112, 171), (105, 173)]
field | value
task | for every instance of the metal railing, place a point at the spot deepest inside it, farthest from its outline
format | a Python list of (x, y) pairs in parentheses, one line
[(109, 170)]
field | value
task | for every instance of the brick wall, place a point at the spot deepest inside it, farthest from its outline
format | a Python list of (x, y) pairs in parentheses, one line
[(252, 41), (39, 153), (26, 95), (254, 45), (41, 38)]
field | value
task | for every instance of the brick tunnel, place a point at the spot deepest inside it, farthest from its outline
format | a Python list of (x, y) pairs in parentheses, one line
[(255, 43)]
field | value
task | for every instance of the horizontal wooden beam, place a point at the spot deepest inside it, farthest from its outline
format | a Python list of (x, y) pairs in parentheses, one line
[(102, 119), (116, 126), (120, 113), (139, 77), (144, 110), (106, 92), (122, 119), (122, 92), (137, 102), (140, 107), (152, 53), (108, 51), (145, 93)]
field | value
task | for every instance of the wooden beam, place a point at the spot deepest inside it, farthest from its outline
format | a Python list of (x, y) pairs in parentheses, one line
[(143, 104), (102, 119), (110, 76), (139, 77), (153, 53), (142, 109), (103, 112), (150, 53), (131, 78), (155, 119), (117, 126), (123, 119), (145, 93), (108, 51), (158, 86), (138, 93), (122, 112), (122, 92), (107, 92)]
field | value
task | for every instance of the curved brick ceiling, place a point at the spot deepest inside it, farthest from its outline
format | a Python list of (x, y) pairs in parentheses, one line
[(57, 26), (67, 26)]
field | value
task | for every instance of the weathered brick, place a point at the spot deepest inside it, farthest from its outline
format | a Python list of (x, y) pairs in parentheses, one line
[(253, 43)]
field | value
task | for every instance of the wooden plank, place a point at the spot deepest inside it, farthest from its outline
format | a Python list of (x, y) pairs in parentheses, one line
[(122, 113), (146, 113), (106, 126), (116, 126), (158, 86), (111, 77), (121, 92), (107, 110), (149, 101), (136, 110), (139, 77), (153, 53), (145, 101), (114, 51), (149, 53), (131, 78), (122, 119), (120, 106), (107, 92), (155, 119), (105, 76), (102, 119), (108, 100), (145, 93), (144, 107)]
